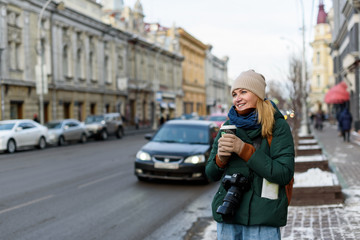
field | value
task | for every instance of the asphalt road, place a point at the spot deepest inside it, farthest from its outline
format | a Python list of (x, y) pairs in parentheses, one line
[(85, 191)]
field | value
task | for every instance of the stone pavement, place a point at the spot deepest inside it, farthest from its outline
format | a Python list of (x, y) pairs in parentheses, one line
[(330, 222)]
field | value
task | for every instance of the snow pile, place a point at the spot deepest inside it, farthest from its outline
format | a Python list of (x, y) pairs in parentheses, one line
[(312, 158), (315, 177), (302, 135), (307, 147), (307, 141)]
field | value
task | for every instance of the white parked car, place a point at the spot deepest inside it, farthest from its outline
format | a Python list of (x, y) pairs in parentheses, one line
[(19, 133), (62, 131)]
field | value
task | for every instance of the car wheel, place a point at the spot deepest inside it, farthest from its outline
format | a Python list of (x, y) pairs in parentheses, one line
[(42, 143), (104, 135), (11, 146), (83, 138), (61, 141), (119, 133)]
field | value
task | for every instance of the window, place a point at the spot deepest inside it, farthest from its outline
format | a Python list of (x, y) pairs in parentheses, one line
[(317, 57), (91, 60), (79, 64), (65, 61), (106, 70), (14, 40)]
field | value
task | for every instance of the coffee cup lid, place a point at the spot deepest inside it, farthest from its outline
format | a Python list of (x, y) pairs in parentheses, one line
[(228, 127)]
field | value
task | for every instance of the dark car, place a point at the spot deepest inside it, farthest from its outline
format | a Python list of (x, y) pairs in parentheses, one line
[(178, 151)]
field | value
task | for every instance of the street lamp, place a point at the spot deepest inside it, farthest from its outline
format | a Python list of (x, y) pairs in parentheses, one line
[(41, 84), (156, 88), (304, 128), (2, 88), (40, 67)]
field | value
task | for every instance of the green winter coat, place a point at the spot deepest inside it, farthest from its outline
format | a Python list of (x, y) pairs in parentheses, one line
[(275, 164)]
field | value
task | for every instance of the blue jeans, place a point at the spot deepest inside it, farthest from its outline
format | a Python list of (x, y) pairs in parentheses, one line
[(238, 232)]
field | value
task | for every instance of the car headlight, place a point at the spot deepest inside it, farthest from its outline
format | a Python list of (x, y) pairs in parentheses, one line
[(143, 156), (195, 159)]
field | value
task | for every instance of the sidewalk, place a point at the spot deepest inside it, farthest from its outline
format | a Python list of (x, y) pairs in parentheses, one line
[(131, 130), (333, 222)]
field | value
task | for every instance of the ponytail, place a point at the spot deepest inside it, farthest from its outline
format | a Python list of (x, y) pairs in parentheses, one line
[(265, 111)]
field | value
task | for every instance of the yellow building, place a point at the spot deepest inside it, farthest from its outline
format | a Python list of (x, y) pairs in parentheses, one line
[(194, 52), (322, 75)]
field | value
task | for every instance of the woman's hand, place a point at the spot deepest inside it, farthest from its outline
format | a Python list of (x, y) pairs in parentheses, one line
[(230, 143), (222, 153)]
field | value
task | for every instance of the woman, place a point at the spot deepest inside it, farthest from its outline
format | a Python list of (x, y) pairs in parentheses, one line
[(256, 164)]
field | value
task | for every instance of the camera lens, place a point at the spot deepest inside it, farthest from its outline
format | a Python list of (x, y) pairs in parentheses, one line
[(235, 185)]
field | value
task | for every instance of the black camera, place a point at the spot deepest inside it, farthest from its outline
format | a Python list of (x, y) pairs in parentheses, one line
[(235, 185)]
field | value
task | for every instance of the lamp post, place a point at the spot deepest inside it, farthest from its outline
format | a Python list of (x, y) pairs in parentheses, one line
[(304, 128), (40, 50), (156, 89), (2, 88), (41, 84)]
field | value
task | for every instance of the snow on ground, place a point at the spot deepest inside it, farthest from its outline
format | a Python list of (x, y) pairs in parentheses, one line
[(315, 177), (355, 137), (311, 158), (308, 147), (352, 196), (307, 141)]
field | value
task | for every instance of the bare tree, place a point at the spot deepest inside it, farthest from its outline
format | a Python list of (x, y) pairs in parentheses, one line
[(276, 93), (296, 89)]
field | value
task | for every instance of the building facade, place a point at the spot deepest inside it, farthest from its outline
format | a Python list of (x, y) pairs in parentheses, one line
[(89, 65), (80, 56), (216, 83), (154, 70), (345, 52), (193, 83), (322, 72)]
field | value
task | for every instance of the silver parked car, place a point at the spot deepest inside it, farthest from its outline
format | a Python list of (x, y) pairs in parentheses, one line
[(103, 125), (19, 133), (67, 130)]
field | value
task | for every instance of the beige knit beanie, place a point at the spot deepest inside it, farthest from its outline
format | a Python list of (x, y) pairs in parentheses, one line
[(252, 81)]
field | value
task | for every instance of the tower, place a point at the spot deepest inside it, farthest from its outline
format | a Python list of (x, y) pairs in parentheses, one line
[(138, 18), (322, 74)]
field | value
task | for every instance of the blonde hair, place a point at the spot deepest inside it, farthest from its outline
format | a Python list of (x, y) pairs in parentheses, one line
[(265, 111)]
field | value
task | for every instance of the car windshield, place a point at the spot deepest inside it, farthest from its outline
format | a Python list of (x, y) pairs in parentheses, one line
[(94, 119), (6, 126), (217, 118), (183, 134), (53, 125)]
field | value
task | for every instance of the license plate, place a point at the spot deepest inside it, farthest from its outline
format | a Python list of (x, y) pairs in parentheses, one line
[(166, 165)]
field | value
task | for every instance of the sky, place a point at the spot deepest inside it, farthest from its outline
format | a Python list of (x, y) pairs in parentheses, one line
[(259, 34)]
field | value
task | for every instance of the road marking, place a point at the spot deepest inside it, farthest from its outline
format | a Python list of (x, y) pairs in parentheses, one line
[(26, 204), (97, 181)]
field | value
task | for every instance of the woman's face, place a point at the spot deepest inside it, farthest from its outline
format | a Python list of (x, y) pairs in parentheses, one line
[(244, 99)]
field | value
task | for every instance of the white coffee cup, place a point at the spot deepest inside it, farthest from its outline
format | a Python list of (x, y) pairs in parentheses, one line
[(228, 129)]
